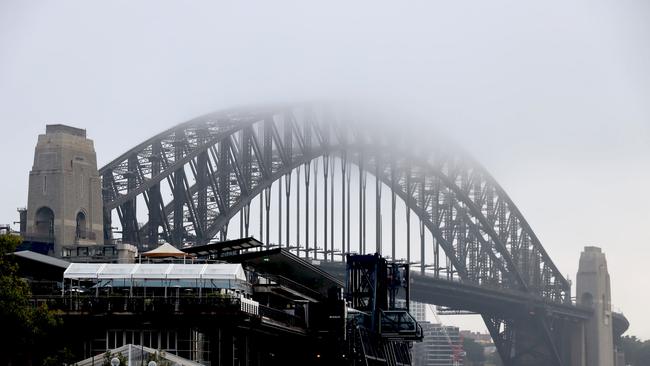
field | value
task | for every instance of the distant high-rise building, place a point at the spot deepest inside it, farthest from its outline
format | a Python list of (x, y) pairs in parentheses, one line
[(441, 346), (419, 311), (480, 338)]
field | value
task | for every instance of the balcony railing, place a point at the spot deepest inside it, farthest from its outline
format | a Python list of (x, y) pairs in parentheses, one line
[(82, 303), (400, 324), (281, 316), (40, 238), (89, 253)]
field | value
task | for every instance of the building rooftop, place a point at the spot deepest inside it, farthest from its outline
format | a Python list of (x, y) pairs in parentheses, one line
[(42, 259), (59, 128), (39, 266), (224, 248), (137, 355), (155, 271), (289, 270)]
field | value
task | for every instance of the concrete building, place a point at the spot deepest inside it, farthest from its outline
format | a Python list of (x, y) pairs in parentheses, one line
[(484, 339), (419, 311), (442, 346), (64, 208)]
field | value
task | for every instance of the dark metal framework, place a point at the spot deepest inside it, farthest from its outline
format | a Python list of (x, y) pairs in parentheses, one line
[(215, 165)]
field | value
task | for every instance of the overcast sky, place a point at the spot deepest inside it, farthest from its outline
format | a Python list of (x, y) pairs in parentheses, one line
[(553, 98)]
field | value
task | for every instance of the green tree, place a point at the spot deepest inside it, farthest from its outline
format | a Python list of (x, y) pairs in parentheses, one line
[(159, 358), (108, 356), (23, 325), (637, 352), (474, 352), (493, 359)]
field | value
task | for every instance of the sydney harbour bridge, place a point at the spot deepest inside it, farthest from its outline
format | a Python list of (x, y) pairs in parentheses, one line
[(323, 182)]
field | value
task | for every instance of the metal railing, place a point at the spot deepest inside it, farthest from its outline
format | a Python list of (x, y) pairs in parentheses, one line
[(138, 304), (401, 324), (249, 306), (89, 304), (89, 253), (281, 316)]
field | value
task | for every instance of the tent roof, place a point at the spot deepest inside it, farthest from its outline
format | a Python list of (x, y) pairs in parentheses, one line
[(290, 270), (224, 248), (39, 266), (138, 354), (165, 250), (157, 271), (42, 258)]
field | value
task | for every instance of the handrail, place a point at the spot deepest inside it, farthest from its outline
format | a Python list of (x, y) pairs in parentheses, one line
[(281, 316), (137, 304)]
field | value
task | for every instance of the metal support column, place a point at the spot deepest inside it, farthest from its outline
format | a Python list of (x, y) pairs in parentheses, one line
[(393, 197), (344, 249), (408, 214), (261, 222), (202, 204), (155, 201), (298, 210), (223, 184), (280, 212), (326, 165), (130, 230), (267, 206), (332, 211), (287, 194), (307, 179), (422, 248), (347, 230), (362, 250), (178, 191), (315, 208), (378, 210)]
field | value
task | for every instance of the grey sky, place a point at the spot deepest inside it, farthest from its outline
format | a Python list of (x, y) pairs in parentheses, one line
[(553, 98)]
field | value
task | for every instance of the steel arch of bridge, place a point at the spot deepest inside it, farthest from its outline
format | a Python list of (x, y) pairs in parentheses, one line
[(216, 164)]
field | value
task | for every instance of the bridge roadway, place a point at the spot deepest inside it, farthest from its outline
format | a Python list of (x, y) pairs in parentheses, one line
[(495, 301), (492, 301)]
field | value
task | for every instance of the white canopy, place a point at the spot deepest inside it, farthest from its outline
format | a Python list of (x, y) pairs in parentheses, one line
[(82, 270), (155, 271)]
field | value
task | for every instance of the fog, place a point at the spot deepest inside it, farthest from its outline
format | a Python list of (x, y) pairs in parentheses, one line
[(552, 98)]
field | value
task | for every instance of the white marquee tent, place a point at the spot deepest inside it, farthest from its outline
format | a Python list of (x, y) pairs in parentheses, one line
[(212, 275)]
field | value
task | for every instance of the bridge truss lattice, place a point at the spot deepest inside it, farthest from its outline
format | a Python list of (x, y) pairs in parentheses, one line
[(195, 179), (217, 164)]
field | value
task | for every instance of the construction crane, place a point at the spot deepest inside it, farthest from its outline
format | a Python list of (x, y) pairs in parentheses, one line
[(457, 349)]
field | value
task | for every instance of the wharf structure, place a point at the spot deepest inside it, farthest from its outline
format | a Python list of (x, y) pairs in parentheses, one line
[(261, 307)]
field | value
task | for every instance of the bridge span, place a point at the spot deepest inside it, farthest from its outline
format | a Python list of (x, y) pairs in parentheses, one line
[(501, 304), (323, 182)]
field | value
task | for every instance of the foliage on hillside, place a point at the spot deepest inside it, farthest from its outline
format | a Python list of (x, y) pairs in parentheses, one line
[(24, 327), (637, 352), (474, 352)]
